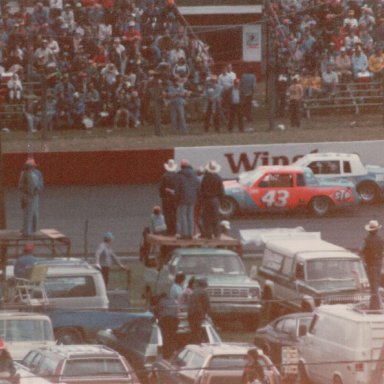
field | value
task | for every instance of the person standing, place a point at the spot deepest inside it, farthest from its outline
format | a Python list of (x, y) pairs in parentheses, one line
[(211, 192), (186, 294), (31, 184), (253, 372), (177, 287), (212, 104), (105, 257), (177, 95), (25, 262), (187, 193), (372, 251), (296, 93), (198, 309), (167, 190), (156, 95), (166, 312), (235, 107), (7, 368), (247, 91)]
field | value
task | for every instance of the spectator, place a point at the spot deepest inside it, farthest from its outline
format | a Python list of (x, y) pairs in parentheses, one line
[(157, 221), (77, 111), (105, 257), (211, 193), (186, 294), (7, 366), (167, 191), (15, 88), (177, 287), (25, 262), (359, 64), (32, 116), (376, 63), (247, 91), (296, 93), (235, 107), (30, 185), (212, 103), (198, 309), (187, 192), (122, 108), (344, 66), (176, 95), (329, 81)]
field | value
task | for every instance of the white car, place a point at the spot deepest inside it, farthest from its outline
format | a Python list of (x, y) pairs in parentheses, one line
[(368, 179)]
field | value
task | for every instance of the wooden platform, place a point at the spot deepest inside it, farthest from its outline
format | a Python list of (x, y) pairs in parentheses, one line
[(174, 242)]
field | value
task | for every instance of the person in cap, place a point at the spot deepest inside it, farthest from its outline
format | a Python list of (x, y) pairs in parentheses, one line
[(211, 193), (372, 252), (235, 106), (105, 257), (7, 367), (25, 262), (296, 94), (177, 286), (253, 371), (30, 185), (198, 309), (167, 190), (157, 221)]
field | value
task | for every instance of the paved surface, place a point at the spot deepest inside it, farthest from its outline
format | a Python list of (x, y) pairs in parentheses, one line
[(125, 211)]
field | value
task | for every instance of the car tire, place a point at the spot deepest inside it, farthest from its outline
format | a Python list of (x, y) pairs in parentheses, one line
[(320, 205), (228, 207), (302, 376), (68, 336), (367, 192)]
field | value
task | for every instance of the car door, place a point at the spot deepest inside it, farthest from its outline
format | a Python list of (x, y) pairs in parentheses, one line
[(275, 191)]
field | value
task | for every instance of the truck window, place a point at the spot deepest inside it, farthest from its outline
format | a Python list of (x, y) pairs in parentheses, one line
[(273, 261), (70, 286)]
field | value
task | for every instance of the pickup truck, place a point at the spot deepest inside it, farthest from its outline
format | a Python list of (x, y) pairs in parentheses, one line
[(368, 179), (233, 294)]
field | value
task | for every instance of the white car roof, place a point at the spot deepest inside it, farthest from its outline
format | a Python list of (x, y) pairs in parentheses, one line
[(330, 155), (353, 312), (221, 348)]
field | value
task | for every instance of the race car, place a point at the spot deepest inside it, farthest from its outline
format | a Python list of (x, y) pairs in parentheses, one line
[(285, 187), (368, 179)]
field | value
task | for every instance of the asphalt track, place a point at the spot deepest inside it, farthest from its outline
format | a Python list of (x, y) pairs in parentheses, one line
[(85, 213)]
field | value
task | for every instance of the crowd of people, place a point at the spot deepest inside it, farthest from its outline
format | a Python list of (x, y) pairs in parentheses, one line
[(322, 43), (112, 62)]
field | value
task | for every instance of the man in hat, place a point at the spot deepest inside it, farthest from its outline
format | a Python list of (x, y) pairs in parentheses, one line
[(167, 190), (372, 251), (211, 192), (30, 185), (105, 257)]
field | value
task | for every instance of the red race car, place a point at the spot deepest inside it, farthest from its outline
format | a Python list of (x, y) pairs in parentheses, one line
[(281, 188)]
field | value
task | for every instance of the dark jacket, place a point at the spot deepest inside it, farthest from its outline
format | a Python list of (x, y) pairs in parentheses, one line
[(188, 185), (198, 305), (211, 186), (373, 250), (168, 181)]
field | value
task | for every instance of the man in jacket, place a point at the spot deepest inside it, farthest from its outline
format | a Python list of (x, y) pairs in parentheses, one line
[(187, 192), (167, 191), (211, 192), (30, 185)]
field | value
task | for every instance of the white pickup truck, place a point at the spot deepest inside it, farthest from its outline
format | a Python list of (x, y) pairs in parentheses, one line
[(368, 179)]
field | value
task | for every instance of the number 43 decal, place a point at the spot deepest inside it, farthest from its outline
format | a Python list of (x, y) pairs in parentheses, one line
[(275, 198)]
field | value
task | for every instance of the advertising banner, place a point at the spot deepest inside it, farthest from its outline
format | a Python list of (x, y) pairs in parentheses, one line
[(240, 158), (252, 42)]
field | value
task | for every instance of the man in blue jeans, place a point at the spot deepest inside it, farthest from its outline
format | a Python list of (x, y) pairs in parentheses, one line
[(187, 192)]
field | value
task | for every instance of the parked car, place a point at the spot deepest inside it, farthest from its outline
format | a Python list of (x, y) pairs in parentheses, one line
[(233, 294), (24, 331), (140, 341), (300, 274), (86, 364), (210, 364), (285, 188), (344, 345), (369, 179), (280, 338)]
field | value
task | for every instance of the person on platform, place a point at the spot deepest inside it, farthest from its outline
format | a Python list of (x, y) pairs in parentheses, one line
[(31, 184), (25, 262), (105, 257), (167, 190), (372, 251)]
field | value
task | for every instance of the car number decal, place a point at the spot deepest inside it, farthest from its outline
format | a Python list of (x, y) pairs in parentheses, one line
[(342, 195), (275, 198)]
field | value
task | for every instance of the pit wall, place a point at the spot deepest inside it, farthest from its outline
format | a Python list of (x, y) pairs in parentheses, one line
[(145, 166)]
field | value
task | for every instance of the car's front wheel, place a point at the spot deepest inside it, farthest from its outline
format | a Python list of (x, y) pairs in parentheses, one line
[(228, 207), (320, 205), (368, 192)]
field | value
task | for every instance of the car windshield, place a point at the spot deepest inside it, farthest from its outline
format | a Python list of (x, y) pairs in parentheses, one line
[(331, 269), (310, 178), (25, 330), (211, 264), (247, 179), (94, 367)]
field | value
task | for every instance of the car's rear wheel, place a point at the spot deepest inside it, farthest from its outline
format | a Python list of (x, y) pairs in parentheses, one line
[(228, 207), (368, 192), (68, 336), (320, 205)]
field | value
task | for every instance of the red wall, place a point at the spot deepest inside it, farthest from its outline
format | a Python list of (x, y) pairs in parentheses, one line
[(92, 168)]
